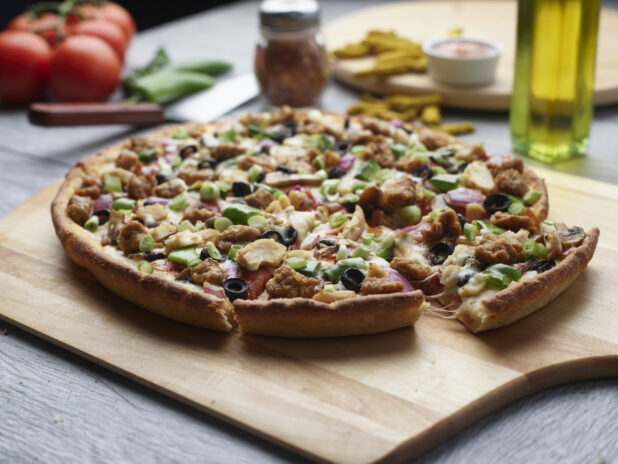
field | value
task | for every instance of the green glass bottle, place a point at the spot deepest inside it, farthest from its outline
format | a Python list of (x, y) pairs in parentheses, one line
[(551, 103)]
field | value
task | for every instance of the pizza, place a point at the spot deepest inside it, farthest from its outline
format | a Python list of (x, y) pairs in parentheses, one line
[(315, 224)]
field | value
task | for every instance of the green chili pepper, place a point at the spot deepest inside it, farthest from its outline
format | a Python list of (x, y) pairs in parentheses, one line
[(368, 170), (186, 225), (209, 191), (239, 213), (112, 183), (534, 248), (211, 67), (124, 203), (179, 202), (184, 255), (500, 275), (488, 226), (168, 85), (329, 186), (445, 182), (92, 224), (146, 243)]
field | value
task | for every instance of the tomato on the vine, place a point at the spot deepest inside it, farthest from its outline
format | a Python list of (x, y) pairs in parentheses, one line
[(107, 31), (84, 68), (45, 25), (111, 12), (24, 66)]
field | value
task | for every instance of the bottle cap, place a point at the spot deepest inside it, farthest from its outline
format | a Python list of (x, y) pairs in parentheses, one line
[(289, 15)]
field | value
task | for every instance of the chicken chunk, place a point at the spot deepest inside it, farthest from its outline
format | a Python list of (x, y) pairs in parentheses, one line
[(287, 283), (264, 251)]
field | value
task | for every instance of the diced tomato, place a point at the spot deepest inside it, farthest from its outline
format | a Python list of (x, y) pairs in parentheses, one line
[(375, 230), (257, 281), (530, 213)]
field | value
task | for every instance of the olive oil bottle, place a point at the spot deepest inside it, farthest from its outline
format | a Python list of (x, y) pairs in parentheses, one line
[(551, 105)]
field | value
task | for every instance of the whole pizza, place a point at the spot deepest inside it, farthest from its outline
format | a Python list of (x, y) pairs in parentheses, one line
[(313, 224)]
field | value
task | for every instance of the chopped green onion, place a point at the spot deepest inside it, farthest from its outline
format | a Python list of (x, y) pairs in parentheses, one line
[(319, 141), (233, 250), (194, 262), (445, 182), (311, 268), (398, 149), (147, 155), (330, 288), (337, 220), (357, 185), (518, 209), (358, 150), (387, 243), (429, 193), (322, 173), (334, 272), (209, 191), (486, 226), (361, 252), (534, 248), (199, 225), (410, 214), (180, 133), (438, 170), (222, 223), (223, 187), (367, 238), (144, 266), (176, 161), (213, 252), (531, 197), (297, 263), (124, 203), (92, 223), (179, 202), (329, 186), (146, 243), (342, 253), (382, 174), (435, 214), (257, 221), (318, 162), (255, 172), (549, 222), (350, 198), (186, 225), (112, 183), (470, 231)]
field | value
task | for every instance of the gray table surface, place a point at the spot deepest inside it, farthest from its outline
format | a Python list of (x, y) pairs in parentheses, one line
[(56, 407)]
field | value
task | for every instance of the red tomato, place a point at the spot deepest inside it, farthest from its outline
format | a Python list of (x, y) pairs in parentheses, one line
[(45, 26), (24, 66), (111, 12), (109, 32), (257, 281), (84, 68)]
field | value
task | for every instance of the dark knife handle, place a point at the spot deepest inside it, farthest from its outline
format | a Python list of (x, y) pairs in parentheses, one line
[(83, 114)]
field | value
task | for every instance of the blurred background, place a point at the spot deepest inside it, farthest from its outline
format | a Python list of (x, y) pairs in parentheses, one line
[(146, 14)]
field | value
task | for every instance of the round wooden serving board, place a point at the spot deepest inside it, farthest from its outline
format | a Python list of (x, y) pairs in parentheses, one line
[(423, 20)]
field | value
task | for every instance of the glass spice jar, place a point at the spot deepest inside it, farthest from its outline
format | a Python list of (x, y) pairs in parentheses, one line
[(291, 62)]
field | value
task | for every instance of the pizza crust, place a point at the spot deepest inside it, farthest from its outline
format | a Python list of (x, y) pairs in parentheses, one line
[(522, 298), (302, 317)]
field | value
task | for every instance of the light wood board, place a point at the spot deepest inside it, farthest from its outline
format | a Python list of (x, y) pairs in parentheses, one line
[(493, 19), (360, 399)]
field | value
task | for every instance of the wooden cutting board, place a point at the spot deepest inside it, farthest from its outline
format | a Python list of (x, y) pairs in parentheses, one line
[(361, 399), (423, 20)]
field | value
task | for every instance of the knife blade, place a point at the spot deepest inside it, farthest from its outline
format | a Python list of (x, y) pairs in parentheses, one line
[(203, 106)]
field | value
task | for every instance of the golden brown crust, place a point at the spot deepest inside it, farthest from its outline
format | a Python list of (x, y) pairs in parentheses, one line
[(523, 298), (302, 317), (171, 299)]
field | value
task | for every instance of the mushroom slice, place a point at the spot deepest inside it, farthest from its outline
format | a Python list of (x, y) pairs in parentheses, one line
[(264, 251), (570, 237)]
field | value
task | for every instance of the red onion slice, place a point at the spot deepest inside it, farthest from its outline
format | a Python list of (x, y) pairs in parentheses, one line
[(103, 202), (462, 196), (214, 290), (397, 277), (346, 162), (163, 201)]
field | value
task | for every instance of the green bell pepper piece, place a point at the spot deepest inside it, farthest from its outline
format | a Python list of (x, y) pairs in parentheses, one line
[(445, 182), (184, 255), (239, 213), (368, 171), (124, 203), (112, 183), (488, 226), (534, 248)]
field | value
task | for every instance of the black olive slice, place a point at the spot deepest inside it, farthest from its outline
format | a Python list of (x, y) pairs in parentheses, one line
[(462, 167), (187, 150), (153, 255), (274, 235), (241, 189), (260, 177), (103, 215), (466, 274), (235, 288), (280, 135), (352, 278), (292, 125), (496, 202), (462, 220), (161, 178), (542, 265), (440, 251), (423, 171), (290, 237), (286, 169), (148, 203), (342, 146), (335, 173), (346, 123), (208, 163)]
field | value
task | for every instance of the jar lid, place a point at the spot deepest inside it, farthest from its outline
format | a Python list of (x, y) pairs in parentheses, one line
[(289, 15)]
